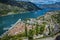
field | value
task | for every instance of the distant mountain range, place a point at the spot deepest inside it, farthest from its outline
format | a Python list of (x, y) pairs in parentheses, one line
[(55, 5)]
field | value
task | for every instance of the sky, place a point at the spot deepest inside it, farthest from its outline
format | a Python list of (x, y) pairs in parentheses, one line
[(43, 1)]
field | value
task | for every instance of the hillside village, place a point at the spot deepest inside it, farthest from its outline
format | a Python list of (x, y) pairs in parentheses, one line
[(37, 27), (46, 25)]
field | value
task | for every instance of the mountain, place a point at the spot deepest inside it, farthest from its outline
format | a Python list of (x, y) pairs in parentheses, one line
[(21, 6), (27, 5), (8, 9), (55, 5)]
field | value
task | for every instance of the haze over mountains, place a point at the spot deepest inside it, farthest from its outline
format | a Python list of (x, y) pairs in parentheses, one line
[(42, 1), (55, 5), (45, 3), (37, 1)]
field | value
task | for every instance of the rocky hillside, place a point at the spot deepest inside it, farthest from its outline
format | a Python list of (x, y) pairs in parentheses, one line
[(8, 9), (46, 25), (26, 5), (49, 23), (17, 7)]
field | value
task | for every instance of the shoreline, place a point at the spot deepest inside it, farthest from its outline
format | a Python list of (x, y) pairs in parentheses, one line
[(14, 14), (10, 28), (14, 26)]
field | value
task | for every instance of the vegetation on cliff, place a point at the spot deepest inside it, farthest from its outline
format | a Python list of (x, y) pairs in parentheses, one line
[(14, 7)]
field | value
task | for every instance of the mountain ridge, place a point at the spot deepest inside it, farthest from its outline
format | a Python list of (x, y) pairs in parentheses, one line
[(55, 5), (15, 6)]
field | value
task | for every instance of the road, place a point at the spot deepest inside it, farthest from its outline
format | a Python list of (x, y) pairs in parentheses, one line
[(49, 38)]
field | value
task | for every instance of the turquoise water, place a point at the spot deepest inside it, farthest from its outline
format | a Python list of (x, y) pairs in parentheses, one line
[(7, 21)]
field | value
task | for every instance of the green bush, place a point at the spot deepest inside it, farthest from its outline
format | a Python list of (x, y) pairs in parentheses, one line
[(30, 36)]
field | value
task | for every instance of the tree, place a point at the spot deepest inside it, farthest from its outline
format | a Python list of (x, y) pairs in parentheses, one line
[(26, 30), (37, 29), (41, 28), (6, 37), (30, 36)]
